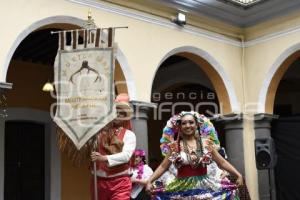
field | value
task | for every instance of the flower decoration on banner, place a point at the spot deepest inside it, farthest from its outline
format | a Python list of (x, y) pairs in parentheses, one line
[(171, 130)]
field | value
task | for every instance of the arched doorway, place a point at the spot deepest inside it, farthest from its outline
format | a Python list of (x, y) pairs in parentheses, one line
[(181, 83), (285, 130)]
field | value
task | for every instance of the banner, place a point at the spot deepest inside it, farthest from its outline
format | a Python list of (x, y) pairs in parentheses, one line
[(84, 75)]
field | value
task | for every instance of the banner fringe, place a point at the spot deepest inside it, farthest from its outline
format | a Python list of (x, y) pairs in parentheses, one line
[(78, 157)]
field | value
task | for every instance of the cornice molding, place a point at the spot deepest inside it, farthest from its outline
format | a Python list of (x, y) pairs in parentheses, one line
[(138, 15), (272, 36), (142, 16)]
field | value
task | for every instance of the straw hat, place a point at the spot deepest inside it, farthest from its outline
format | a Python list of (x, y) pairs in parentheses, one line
[(122, 104)]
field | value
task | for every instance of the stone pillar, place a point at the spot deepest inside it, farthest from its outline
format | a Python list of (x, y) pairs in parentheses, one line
[(3, 88), (139, 122), (266, 182), (233, 127)]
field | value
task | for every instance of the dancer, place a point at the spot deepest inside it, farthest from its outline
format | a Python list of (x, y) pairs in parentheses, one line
[(191, 152)]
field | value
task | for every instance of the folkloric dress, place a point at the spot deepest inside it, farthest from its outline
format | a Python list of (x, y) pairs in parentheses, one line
[(195, 180)]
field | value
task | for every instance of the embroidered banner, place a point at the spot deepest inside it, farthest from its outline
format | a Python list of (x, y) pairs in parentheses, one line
[(84, 84)]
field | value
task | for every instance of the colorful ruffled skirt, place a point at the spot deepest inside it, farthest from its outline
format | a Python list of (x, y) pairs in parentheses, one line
[(197, 187)]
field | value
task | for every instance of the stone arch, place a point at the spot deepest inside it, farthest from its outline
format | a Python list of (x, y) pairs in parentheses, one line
[(70, 22), (267, 93), (214, 71)]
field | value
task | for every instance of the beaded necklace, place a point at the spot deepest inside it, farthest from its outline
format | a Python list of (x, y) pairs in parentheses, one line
[(199, 152)]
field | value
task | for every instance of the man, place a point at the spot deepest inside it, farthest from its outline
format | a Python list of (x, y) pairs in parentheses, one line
[(116, 146)]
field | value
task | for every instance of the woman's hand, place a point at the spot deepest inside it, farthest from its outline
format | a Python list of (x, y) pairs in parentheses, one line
[(239, 181), (210, 145), (149, 187), (194, 157)]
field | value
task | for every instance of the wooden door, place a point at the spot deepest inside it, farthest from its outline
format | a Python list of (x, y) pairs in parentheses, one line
[(24, 161)]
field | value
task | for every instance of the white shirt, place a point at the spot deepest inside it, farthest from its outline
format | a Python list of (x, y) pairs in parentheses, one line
[(122, 157), (137, 188)]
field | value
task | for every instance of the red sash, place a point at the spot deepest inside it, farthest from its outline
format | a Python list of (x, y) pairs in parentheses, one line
[(187, 171)]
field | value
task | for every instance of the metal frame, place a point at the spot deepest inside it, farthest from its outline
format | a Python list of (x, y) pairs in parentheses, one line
[(242, 4)]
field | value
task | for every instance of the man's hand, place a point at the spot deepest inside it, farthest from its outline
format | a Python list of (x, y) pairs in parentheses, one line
[(96, 156)]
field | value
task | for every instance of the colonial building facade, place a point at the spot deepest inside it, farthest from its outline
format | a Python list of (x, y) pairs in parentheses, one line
[(241, 77)]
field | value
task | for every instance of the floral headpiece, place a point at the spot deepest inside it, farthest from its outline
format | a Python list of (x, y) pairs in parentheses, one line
[(206, 129), (140, 152)]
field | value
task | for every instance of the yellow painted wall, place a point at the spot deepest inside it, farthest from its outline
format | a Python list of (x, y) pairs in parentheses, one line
[(285, 22), (28, 79), (75, 181)]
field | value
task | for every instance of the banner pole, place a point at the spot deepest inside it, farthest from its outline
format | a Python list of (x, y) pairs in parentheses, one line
[(95, 148), (95, 181)]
